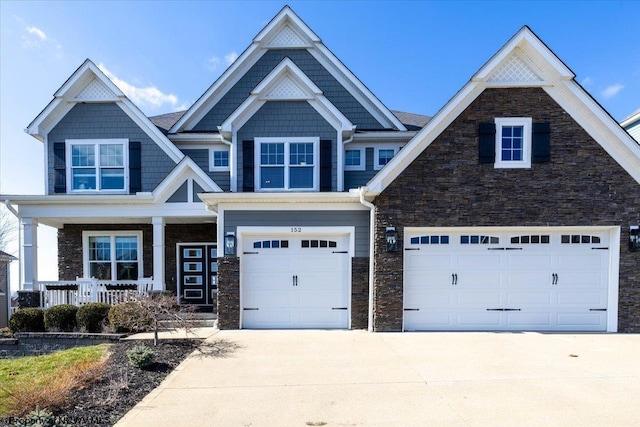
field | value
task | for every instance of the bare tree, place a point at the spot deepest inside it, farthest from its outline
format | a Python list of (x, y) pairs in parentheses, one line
[(8, 227)]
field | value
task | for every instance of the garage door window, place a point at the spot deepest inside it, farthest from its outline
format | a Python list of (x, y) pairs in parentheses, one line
[(579, 239), (430, 240), (271, 244), (318, 244), (479, 240), (531, 239)]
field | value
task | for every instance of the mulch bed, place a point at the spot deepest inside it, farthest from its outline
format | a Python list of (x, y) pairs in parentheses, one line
[(123, 386)]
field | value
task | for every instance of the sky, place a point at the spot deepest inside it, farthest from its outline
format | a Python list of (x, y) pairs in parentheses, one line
[(413, 55)]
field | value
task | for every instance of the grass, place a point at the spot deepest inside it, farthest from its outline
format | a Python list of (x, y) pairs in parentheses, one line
[(27, 383)]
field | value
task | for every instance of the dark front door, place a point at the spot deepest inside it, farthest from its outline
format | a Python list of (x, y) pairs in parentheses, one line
[(197, 273)]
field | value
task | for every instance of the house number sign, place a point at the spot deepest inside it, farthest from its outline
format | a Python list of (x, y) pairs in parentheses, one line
[(296, 229)]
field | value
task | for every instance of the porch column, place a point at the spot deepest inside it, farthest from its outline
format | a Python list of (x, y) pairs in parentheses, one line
[(29, 253), (158, 253)]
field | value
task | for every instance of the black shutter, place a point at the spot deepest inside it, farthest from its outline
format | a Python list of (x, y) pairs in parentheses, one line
[(59, 168), (248, 166), (135, 167), (325, 165), (487, 143), (541, 143)]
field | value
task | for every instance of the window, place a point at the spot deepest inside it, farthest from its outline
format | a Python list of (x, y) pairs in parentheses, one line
[(430, 240), (383, 155), (287, 163), (113, 256), (479, 240), (219, 159), (513, 142), (354, 159), (97, 165)]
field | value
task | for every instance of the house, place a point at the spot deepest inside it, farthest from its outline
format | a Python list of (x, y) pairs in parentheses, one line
[(5, 288), (289, 196), (632, 125)]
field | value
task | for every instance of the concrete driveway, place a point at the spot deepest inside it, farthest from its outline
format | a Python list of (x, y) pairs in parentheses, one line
[(355, 378)]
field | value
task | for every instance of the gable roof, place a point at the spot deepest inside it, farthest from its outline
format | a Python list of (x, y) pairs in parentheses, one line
[(187, 168), (524, 61), (89, 84), (5, 257), (285, 30)]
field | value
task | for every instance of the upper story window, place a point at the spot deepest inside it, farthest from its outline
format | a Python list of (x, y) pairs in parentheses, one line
[(513, 142), (354, 159), (287, 164), (113, 255), (219, 159), (97, 165), (383, 155)]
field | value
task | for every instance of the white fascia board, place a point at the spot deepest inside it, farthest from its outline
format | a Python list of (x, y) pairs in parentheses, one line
[(77, 200), (218, 89), (287, 67), (383, 135), (424, 138), (187, 168), (525, 35), (291, 201), (195, 138), (635, 117), (372, 104), (80, 73), (278, 21)]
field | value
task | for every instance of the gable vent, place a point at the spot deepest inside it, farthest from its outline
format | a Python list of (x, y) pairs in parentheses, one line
[(514, 70), (287, 89), (95, 91), (287, 38)]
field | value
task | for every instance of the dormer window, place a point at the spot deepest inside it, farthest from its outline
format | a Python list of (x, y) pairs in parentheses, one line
[(287, 164), (97, 165)]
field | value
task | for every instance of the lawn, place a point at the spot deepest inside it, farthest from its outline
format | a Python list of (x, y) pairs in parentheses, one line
[(45, 381)]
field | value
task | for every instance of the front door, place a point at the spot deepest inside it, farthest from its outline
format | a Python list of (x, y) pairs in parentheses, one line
[(197, 273)]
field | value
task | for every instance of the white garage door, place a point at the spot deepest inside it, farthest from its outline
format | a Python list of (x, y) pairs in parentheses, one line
[(295, 282), (522, 280)]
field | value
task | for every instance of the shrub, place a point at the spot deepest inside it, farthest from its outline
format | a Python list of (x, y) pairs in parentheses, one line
[(27, 320), (129, 317), (93, 316), (141, 356), (61, 318)]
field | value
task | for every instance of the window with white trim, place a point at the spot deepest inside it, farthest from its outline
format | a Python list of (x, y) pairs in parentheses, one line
[(354, 159), (287, 164), (382, 156), (97, 165), (513, 142), (112, 255), (219, 159)]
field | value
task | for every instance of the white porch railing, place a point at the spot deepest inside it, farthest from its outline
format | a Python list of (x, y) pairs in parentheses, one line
[(83, 291)]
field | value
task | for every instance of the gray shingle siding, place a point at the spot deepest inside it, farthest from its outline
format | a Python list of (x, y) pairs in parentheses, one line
[(355, 179), (332, 89), (108, 120), (359, 219), (288, 119), (201, 157)]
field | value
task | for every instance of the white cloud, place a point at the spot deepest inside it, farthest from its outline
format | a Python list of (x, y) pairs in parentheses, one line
[(587, 81), (230, 58), (149, 96), (612, 90), (38, 32), (213, 63)]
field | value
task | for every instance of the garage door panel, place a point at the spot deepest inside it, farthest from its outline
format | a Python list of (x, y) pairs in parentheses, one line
[(528, 319), (478, 298), (481, 261), (529, 280), (529, 298), (296, 286)]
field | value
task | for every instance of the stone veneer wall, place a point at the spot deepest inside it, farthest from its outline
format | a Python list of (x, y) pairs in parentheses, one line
[(359, 293), (229, 293), (70, 247), (447, 187), (38, 343), (182, 233)]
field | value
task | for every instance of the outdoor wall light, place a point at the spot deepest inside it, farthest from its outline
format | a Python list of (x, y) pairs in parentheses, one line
[(392, 239), (634, 238), (230, 244)]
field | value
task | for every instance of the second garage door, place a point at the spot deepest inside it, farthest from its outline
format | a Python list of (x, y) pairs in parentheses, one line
[(295, 281), (520, 280)]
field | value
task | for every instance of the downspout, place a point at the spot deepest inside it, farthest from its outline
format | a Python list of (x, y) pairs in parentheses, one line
[(13, 210), (372, 236)]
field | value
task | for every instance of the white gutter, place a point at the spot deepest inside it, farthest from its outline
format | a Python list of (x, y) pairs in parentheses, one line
[(372, 236)]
